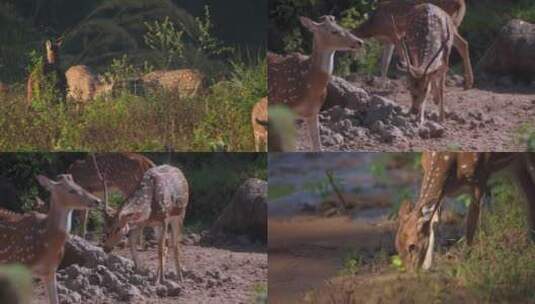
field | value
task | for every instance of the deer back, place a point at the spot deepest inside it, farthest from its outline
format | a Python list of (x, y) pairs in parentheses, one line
[(123, 171), (81, 82), (186, 81)]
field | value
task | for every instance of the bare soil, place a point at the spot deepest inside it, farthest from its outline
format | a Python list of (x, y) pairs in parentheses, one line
[(488, 117), (214, 275)]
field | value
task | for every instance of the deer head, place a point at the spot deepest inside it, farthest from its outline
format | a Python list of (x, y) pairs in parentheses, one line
[(330, 36), (52, 50), (68, 193)]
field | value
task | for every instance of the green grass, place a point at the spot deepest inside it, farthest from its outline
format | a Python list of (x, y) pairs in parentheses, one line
[(500, 266), (139, 123), (260, 293), (279, 191)]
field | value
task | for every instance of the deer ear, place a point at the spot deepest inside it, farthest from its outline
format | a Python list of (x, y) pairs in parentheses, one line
[(46, 182), (405, 209), (48, 44), (59, 41), (308, 23)]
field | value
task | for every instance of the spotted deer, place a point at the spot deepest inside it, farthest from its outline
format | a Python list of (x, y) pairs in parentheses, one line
[(448, 174), (121, 171), (186, 82), (379, 25), (37, 240), (84, 85), (426, 48), (259, 115), (51, 65), (300, 82), (160, 200)]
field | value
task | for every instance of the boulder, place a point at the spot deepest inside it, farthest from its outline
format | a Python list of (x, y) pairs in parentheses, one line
[(342, 93), (81, 252), (512, 51), (247, 212)]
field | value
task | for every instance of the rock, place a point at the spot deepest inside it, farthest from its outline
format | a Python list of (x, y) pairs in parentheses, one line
[(81, 252), (512, 53), (247, 212), (342, 93), (173, 289), (431, 129), (161, 291), (129, 293), (380, 108)]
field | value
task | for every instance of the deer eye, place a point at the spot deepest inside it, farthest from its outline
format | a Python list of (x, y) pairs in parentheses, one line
[(412, 248)]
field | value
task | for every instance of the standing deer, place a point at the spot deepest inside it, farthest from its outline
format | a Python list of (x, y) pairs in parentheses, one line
[(160, 200), (300, 82), (379, 25), (186, 82), (121, 171), (84, 85), (259, 116), (50, 67), (426, 48), (37, 240), (448, 174)]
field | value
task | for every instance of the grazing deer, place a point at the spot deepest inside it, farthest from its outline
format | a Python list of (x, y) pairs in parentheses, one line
[(259, 116), (36, 240), (379, 25), (51, 66), (160, 200), (426, 49), (448, 174), (84, 85), (186, 82), (121, 171), (300, 82)]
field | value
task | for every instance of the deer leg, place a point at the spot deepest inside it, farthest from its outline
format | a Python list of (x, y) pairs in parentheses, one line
[(133, 236), (313, 131), (428, 260), (162, 252), (386, 58), (176, 235), (474, 213), (461, 46), (257, 143), (85, 218), (52, 288), (440, 88), (525, 179)]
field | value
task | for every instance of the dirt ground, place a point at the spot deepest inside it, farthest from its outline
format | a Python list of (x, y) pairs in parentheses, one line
[(220, 275), (508, 107)]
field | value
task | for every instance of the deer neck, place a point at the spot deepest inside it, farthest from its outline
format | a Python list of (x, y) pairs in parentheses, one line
[(59, 218), (322, 60)]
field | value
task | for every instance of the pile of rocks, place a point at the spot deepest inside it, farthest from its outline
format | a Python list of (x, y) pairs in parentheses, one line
[(103, 276)]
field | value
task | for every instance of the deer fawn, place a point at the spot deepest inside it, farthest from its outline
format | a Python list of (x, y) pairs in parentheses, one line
[(300, 82), (447, 174), (186, 82), (84, 85), (37, 240), (379, 25), (122, 171), (426, 49), (51, 65), (161, 199), (259, 116)]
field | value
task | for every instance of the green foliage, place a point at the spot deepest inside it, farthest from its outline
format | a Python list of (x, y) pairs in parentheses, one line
[(260, 294), (164, 37), (352, 262), (500, 266), (279, 191), (208, 43), (324, 186)]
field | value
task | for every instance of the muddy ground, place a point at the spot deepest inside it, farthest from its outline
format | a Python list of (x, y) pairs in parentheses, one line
[(227, 274), (488, 117)]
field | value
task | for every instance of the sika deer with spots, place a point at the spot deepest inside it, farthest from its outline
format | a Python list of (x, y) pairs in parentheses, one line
[(160, 200), (379, 25), (36, 240), (84, 85), (426, 48), (448, 174), (300, 82), (186, 82), (121, 171)]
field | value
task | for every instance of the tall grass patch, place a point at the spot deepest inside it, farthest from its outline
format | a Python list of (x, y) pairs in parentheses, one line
[(500, 266)]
